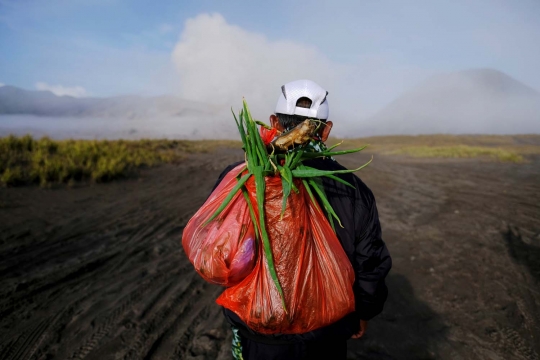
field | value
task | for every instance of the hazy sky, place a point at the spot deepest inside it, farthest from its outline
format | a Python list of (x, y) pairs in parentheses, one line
[(365, 53)]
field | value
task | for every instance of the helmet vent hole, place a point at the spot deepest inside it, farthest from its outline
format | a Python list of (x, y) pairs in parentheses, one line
[(304, 102)]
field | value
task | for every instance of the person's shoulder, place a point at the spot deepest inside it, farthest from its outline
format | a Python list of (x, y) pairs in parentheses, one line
[(229, 168), (362, 190), (324, 164), (225, 172)]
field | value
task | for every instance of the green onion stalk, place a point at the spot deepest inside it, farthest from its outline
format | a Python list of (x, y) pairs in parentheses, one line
[(262, 162)]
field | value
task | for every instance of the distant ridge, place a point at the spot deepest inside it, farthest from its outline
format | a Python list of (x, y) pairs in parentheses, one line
[(476, 101), (498, 82), (14, 100), (114, 117)]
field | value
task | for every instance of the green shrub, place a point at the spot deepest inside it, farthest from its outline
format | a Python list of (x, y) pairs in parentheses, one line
[(12, 176)]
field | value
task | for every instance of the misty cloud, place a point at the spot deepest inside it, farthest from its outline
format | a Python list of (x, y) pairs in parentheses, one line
[(59, 90), (221, 63)]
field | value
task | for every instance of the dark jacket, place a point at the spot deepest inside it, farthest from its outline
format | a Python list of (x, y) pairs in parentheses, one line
[(361, 239)]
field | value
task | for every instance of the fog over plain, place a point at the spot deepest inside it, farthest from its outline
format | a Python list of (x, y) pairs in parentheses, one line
[(377, 60)]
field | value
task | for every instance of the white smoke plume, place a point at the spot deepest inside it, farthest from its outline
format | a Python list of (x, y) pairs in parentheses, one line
[(221, 63)]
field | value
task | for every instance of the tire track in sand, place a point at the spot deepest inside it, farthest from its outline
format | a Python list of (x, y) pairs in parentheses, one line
[(113, 318), (152, 330)]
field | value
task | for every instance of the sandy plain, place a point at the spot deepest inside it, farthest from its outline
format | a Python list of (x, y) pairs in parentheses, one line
[(96, 271)]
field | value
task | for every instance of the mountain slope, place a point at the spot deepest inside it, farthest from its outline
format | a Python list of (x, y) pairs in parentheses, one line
[(14, 100), (471, 101), (122, 116)]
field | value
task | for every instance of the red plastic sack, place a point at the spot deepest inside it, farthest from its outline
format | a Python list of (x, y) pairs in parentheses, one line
[(224, 251), (312, 267)]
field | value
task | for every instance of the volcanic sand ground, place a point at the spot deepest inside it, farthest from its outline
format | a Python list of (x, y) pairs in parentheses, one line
[(97, 271)]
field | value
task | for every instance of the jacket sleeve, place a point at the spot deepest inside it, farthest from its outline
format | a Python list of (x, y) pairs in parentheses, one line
[(372, 261)]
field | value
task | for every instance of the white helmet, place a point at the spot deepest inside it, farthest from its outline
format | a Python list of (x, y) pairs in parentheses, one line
[(295, 90)]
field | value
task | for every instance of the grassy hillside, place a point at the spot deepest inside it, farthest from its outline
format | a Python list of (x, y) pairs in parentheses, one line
[(25, 160)]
